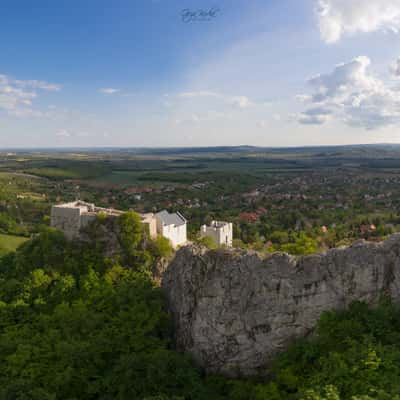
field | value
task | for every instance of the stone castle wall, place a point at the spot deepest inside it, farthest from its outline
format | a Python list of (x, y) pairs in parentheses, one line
[(71, 217), (220, 232), (67, 220)]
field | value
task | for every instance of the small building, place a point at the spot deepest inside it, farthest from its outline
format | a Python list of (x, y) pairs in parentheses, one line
[(249, 217), (219, 231), (172, 226)]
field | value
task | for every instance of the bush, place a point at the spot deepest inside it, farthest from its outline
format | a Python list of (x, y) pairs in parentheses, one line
[(160, 247), (207, 241)]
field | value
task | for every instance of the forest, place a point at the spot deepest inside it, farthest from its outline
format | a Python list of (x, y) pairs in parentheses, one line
[(79, 323)]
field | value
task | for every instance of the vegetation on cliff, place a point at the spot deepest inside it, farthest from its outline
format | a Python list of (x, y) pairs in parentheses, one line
[(79, 323)]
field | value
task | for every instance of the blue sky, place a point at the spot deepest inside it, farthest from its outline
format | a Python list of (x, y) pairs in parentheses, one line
[(133, 73)]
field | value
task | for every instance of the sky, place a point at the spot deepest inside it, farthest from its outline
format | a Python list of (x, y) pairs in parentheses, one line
[(155, 73)]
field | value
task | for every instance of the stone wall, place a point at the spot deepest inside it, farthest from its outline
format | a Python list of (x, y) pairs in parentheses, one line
[(176, 234), (67, 220), (234, 311), (71, 217), (219, 231)]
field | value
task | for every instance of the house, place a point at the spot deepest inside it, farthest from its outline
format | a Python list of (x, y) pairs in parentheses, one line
[(172, 226), (139, 190), (219, 231), (248, 216)]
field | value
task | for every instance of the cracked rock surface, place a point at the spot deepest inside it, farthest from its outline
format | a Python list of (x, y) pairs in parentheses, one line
[(234, 311)]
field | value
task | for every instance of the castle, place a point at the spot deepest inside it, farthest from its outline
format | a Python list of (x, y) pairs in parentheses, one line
[(71, 217)]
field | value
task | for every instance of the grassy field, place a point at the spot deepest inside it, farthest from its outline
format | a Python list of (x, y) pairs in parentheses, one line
[(10, 243)]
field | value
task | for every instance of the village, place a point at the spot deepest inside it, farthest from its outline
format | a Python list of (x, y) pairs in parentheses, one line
[(71, 217), (299, 212)]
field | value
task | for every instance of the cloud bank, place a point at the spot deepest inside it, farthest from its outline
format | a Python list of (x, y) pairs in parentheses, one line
[(339, 17), (108, 91), (17, 96), (352, 94)]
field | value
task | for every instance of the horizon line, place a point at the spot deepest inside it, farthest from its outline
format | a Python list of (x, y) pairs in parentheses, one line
[(244, 146)]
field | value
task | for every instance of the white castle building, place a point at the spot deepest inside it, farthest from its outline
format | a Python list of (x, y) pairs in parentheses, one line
[(172, 226), (219, 231)]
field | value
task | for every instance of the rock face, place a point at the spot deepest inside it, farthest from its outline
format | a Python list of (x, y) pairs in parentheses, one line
[(234, 311)]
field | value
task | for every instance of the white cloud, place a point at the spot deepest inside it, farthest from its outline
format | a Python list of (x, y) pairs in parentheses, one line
[(233, 100), (276, 117), (63, 133), (191, 119), (17, 96), (201, 93), (314, 116), (109, 91), (339, 17), (85, 134), (28, 112), (395, 68), (241, 101), (351, 76), (72, 133), (304, 98), (35, 84), (352, 94)]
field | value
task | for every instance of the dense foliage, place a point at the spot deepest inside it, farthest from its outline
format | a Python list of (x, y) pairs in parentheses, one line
[(77, 324)]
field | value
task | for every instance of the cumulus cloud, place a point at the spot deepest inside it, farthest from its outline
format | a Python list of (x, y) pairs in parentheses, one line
[(63, 133), (241, 101), (51, 87), (233, 100), (17, 96), (395, 68), (315, 116), (346, 77), (109, 90), (201, 93), (339, 17), (354, 95)]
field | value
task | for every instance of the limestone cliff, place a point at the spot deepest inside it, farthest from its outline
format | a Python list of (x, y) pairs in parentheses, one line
[(235, 311)]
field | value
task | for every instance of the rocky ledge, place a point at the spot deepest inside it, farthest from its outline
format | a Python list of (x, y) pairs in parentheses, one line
[(234, 311)]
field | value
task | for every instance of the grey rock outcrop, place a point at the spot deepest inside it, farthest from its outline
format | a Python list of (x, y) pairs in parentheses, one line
[(234, 311)]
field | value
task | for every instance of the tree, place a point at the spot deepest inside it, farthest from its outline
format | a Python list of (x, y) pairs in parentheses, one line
[(207, 241), (131, 231), (160, 247)]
